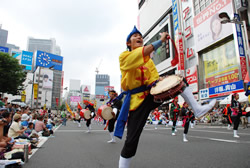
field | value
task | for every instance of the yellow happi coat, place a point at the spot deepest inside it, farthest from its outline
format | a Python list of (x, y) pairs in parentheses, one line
[(137, 70)]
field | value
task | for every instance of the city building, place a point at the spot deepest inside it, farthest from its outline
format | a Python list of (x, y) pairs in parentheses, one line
[(3, 36), (101, 81), (12, 46), (46, 45), (212, 56)]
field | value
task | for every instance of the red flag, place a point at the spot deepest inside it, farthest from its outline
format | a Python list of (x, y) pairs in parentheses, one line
[(175, 61), (79, 106)]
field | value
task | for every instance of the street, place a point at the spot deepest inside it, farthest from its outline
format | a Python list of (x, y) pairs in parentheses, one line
[(208, 147)]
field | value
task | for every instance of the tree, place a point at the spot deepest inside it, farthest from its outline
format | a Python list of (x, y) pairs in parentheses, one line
[(12, 75)]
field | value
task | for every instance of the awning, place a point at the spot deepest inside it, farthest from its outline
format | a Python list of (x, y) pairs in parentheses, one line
[(242, 98)]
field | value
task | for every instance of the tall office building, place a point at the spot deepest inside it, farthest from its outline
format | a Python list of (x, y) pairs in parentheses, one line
[(47, 45), (12, 46), (3, 36), (102, 80)]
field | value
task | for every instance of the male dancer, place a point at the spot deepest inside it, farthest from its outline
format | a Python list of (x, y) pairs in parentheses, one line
[(174, 113), (116, 106), (89, 106), (138, 74), (186, 117), (157, 115)]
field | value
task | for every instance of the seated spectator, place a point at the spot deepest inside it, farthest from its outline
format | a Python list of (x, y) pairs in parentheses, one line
[(25, 120), (40, 126), (7, 117), (30, 128), (15, 131)]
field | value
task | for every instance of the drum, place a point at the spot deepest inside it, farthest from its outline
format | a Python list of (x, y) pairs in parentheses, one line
[(106, 112), (168, 88), (86, 114)]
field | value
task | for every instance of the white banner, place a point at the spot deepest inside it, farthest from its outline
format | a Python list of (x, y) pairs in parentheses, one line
[(207, 26), (47, 79)]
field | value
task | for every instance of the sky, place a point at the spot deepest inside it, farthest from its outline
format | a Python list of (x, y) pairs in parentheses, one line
[(90, 33)]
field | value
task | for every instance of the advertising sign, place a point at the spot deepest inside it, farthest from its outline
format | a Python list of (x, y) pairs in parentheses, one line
[(207, 26), (241, 49), (47, 79), (26, 60), (222, 90), (48, 60), (86, 89), (17, 54), (75, 98), (220, 65), (4, 49), (191, 77), (107, 89), (35, 88), (179, 45), (175, 14)]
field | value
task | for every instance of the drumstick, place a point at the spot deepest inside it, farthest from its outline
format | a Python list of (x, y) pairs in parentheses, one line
[(106, 125)]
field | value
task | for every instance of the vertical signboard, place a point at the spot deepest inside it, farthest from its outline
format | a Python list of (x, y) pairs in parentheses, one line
[(243, 63), (27, 58), (35, 88)]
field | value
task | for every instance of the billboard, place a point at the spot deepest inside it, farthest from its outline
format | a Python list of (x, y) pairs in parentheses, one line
[(86, 89), (4, 49), (48, 60), (17, 54), (47, 79), (221, 65), (75, 98), (222, 90), (27, 58), (192, 80), (107, 89), (35, 88), (207, 26)]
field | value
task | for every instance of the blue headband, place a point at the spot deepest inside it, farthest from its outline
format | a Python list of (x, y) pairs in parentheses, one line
[(133, 32)]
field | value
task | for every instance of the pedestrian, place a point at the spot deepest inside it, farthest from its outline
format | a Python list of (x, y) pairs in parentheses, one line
[(64, 117), (89, 106), (138, 75), (174, 114), (236, 113), (115, 104)]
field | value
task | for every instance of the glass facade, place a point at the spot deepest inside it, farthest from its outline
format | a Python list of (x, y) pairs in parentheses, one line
[(163, 52), (101, 81)]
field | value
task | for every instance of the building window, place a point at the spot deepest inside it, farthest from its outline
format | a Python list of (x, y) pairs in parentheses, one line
[(163, 52), (200, 5)]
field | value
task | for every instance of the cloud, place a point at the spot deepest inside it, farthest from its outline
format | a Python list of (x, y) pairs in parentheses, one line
[(86, 31)]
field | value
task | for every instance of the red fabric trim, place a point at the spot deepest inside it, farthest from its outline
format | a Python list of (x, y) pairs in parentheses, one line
[(143, 55)]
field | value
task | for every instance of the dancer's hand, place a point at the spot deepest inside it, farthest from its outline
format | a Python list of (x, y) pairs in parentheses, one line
[(164, 36)]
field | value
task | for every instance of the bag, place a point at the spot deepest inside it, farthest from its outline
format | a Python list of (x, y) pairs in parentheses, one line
[(46, 133)]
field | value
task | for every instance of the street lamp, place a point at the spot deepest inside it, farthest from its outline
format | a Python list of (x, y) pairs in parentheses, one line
[(226, 19)]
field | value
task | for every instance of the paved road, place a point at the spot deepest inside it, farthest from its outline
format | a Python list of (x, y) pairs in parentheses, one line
[(208, 147)]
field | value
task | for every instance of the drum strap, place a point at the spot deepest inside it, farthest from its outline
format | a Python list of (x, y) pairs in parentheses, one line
[(123, 116)]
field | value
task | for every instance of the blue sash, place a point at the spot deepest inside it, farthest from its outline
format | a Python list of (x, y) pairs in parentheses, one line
[(123, 116)]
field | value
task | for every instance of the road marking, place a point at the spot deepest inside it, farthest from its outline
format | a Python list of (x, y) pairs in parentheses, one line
[(43, 140), (215, 139)]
